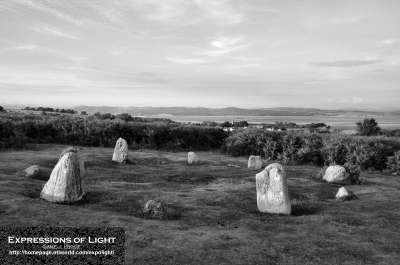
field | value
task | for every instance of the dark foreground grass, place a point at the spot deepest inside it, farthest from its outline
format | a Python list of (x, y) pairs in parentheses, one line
[(212, 215)]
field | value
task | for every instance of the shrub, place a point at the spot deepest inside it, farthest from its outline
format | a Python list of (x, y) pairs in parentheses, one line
[(393, 162), (368, 127)]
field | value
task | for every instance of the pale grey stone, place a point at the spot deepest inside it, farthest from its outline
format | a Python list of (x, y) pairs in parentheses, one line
[(334, 174), (342, 192), (121, 151), (255, 162), (32, 171), (81, 162), (272, 190), (192, 158), (65, 183)]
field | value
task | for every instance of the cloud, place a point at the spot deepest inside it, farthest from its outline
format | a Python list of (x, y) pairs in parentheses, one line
[(345, 63), (362, 100), (354, 100), (223, 10), (52, 11), (340, 100), (224, 42), (291, 54), (224, 45), (29, 47), (187, 60), (52, 31), (357, 99), (387, 42)]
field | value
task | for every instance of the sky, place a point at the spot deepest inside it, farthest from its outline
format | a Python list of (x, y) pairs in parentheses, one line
[(201, 53)]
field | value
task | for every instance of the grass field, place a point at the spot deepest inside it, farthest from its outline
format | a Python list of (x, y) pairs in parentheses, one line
[(212, 215)]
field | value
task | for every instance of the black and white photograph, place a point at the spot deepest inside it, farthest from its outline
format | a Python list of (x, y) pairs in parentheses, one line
[(200, 132)]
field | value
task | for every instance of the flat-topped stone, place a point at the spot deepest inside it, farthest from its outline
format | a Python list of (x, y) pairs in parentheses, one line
[(255, 162), (64, 185), (272, 190)]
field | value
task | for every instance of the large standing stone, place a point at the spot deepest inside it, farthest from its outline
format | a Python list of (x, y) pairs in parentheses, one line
[(121, 151), (65, 183), (335, 174), (153, 209), (81, 162), (272, 190), (32, 171), (254, 162), (192, 158)]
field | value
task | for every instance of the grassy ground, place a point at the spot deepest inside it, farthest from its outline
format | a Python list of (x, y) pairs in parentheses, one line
[(212, 209)]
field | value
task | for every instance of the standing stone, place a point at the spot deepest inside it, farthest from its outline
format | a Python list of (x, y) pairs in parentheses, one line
[(254, 162), (65, 183), (81, 162), (272, 190), (192, 158), (342, 192), (120, 151), (334, 174), (31, 171), (153, 209)]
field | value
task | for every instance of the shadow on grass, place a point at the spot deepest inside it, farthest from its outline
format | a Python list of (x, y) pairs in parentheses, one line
[(300, 208)]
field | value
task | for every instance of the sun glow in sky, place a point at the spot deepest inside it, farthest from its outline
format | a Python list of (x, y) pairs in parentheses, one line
[(201, 53)]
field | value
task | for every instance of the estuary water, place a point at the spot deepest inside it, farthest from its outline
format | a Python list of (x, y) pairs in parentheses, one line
[(336, 122)]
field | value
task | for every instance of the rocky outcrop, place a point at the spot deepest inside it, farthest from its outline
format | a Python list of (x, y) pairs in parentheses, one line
[(334, 174), (153, 209), (272, 190), (254, 162), (65, 183), (192, 158), (31, 172), (121, 151)]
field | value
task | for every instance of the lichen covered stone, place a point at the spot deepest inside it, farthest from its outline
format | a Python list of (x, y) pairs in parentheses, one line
[(81, 162), (65, 183), (192, 158), (272, 190), (121, 151), (255, 162), (153, 209), (334, 174)]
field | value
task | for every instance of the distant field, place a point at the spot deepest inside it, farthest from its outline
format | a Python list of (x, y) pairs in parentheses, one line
[(334, 122), (212, 209)]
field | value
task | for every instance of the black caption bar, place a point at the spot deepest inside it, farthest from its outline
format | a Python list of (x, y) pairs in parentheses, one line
[(55, 245)]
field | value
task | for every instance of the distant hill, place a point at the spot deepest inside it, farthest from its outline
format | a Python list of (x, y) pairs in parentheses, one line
[(232, 111)]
